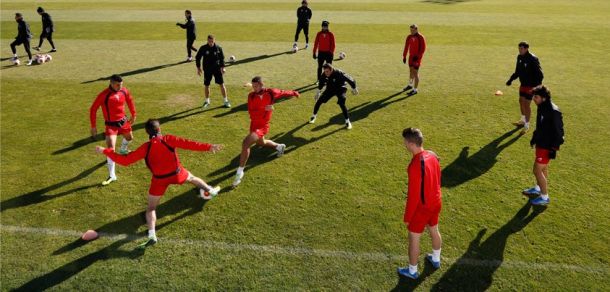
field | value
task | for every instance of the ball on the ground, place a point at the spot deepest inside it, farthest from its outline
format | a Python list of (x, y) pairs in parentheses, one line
[(40, 59), (49, 58), (204, 194), (232, 58), (499, 92), (90, 235), (342, 55), (16, 62), (295, 49)]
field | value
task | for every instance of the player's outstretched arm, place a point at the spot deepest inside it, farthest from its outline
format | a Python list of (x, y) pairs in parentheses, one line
[(124, 160)]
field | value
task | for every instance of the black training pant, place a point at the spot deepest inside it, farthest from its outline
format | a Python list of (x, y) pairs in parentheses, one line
[(305, 28), (189, 46), (48, 36), (323, 57), (26, 46), (327, 95)]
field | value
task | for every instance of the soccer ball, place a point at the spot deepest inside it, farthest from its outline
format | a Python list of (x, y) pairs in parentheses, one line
[(295, 49), (232, 58), (16, 62), (342, 55), (49, 58), (40, 59)]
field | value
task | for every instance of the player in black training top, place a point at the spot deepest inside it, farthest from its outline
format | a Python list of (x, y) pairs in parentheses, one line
[(47, 29), (213, 66), (23, 38), (303, 16), (191, 34), (335, 81)]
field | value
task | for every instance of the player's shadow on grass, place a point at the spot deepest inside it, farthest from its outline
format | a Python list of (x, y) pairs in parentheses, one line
[(100, 137), (137, 71), (260, 156), (465, 168), (256, 58), (361, 111), (474, 270), (42, 195), (176, 208)]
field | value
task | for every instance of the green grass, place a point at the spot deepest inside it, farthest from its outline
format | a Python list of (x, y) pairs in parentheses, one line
[(292, 221)]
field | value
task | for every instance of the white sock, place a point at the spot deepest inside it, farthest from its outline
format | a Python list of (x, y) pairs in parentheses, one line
[(347, 121), (412, 269), (207, 100), (152, 234), (537, 187), (544, 196), (226, 99), (240, 170), (110, 165), (526, 125), (436, 255), (313, 116), (523, 118), (15, 55), (124, 144)]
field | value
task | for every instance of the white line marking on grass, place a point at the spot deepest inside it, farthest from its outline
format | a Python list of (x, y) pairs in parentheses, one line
[(299, 251)]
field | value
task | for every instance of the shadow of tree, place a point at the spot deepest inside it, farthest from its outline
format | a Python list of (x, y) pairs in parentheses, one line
[(465, 168), (137, 71), (42, 195), (474, 270), (88, 140)]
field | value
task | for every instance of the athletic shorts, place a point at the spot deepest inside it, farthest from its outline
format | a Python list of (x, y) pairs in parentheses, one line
[(260, 129), (158, 186), (125, 129), (542, 155), (421, 219), (328, 94), (208, 74), (414, 64), (526, 92)]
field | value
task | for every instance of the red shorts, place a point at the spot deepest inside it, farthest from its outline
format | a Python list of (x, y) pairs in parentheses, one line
[(542, 155), (423, 218), (260, 129), (526, 91), (158, 186), (414, 64), (126, 128)]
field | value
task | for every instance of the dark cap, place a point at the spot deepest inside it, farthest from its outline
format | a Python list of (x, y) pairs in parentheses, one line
[(304, 2), (18, 14), (39, 9), (325, 23), (524, 44)]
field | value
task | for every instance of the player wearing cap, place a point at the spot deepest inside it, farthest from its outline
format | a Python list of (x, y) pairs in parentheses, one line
[(191, 34), (161, 157), (324, 48), (415, 45), (424, 201), (113, 100), (303, 17), (530, 75), (547, 138), (336, 82), (260, 108)]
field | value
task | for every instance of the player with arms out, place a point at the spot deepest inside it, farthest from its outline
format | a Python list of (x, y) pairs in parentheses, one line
[(260, 108), (415, 45), (336, 82), (423, 201), (161, 157), (113, 100)]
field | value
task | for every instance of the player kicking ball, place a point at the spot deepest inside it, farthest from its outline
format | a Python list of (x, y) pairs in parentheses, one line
[(161, 157), (260, 108)]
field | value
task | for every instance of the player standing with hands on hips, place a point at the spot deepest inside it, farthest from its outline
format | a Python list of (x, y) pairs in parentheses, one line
[(323, 48), (191, 34), (213, 66), (113, 100), (547, 138), (424, 201), (303, 17), (47, 29), (336, 82), (161, 157), (530, 75), (415, 45)]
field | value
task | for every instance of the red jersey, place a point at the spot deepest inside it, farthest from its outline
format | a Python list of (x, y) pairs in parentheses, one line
[(113, 105), (160, 154), (424, 184), (257, 101), (415, 45), (325, 41)]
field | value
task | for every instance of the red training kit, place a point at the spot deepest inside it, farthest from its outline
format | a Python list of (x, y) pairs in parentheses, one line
[(416, 45), (424, 171), (325, 41), (257, 101), (113, 105)]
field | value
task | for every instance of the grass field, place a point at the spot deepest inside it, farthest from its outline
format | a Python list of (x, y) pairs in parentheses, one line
[(328, 214)]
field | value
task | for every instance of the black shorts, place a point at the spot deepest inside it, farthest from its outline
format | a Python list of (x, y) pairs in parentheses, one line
[(327, 95), (216, 73)]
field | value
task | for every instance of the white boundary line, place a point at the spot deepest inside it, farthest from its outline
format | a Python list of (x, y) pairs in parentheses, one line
[(299, 251)]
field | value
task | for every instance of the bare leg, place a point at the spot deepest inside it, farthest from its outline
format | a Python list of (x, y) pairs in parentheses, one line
[(413, 247), (435, 235), (223, 90), (151, 213), (266, 143), (245, 148), (415, 77), (206, 92), (198, 182), (539, 173), (111, 144)]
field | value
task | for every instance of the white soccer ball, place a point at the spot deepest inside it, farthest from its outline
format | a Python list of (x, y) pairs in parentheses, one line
[(40, 59), (16, 62), (295, 49), (232, 58), (342, 55), (49, 58)]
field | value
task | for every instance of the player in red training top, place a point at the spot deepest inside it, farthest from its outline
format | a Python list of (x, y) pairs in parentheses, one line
[(260, 108), (423, 201), (161, 157), (324, 46), (415, 44), (112, 100)]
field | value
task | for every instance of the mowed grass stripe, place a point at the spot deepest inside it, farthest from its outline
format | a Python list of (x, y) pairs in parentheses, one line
[(343, 17), (556, 7), (344, 33)]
